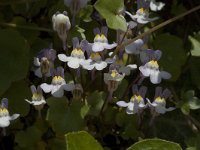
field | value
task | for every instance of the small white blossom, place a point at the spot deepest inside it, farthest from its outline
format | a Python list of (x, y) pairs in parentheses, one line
[(61, 24), (151, 67), (101, 41), (141, 16), (159, 104), (44, 62), (77, 54), (136, 104), (58, 84), (5, 118), (38, 100), (156, 6)]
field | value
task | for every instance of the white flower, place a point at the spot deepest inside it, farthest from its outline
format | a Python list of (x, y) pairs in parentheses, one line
[(136, 104), (38, 100), (94, 62), (156, 6), (77, 54), (113, 79), (44, 62), (159, 103), (151, 67), (58, 84), (61, 24), (101, 41), (141, 16), (5, 118)]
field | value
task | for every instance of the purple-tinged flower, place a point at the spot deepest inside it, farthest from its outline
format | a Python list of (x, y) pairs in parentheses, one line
[(113, 78), (38, 100), (44, 62), (135, 47), (101, 41), (158, 106), (61, 24), (58, 84), (77, 54), (151, 67), (5, 118), (141, 16), (136, 104)]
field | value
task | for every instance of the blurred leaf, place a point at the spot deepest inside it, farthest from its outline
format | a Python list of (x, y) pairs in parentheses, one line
[(155, 144), (111, 11), (17, 92), (14, 58), (189, 102), (86, 12), (28, 138), (195, 71), (195, 44), (81, 141), (95, 101), (30, 35), (174, 55), (65, 118), (29, 8), (57, 144)]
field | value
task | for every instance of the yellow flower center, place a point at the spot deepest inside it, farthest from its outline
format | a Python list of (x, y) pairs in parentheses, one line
[(37, 96), (114, 73), (95, 56), (77, 52), (154, 63), (159, 100), (143, 11), (100, 38), (138, 98)]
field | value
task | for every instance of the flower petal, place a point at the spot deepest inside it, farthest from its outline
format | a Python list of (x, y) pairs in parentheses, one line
[(122, 104), (101, 65), (62, 57), (74, 64), (109, 46), (165, 75), (4, 121), (46, 87), (145, 71), (14, 116), (97, 47), (36, 61), (38, 72), (155, 77), (57, 91), (68, 87), (135, 47)]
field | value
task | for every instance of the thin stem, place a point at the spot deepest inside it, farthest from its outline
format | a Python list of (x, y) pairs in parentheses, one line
[(25, 27), (154, 29)]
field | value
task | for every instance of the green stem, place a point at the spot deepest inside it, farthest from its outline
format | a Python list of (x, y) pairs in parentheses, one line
[(25, 27), (121, 46)]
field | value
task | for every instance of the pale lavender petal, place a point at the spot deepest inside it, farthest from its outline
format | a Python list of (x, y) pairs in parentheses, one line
[(157, 54), (135, 47), (33, 89), (104, 30), (57, 91), (170, 109), (38, 72), (109, 46), (96, 31), (4, 103), (165, 75), (75, 42), (14, 116), (145, 71), (135, 89), (60, 71), (101, 65), (122, 104), (155, 77), (143, 91), (62, 57), (68, 87), (46, 87), (166, 93), (158, 92)]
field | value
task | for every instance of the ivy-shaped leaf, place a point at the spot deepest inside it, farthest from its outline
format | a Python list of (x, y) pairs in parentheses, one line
[(111, 11), (81, 141)]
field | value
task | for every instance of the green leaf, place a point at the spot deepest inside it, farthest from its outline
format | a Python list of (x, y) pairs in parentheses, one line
[(63, 117), (174, 55), (195, 44), (17, 92), (111, 11), (86, 12), (57, 144), (190, 99), (81, 141), (95, 101), (14, 58), (28, 138), (155, 144)]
